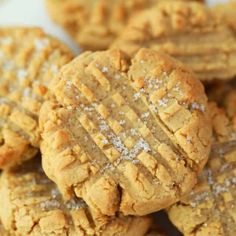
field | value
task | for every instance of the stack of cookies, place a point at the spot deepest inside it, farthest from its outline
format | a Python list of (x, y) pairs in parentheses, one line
[(143, 122)]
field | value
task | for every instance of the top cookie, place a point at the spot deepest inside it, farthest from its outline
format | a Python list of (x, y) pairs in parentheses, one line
[(125, 134), (95, 23), (28, 60), (210, 209), (190, 32), (31, 204)]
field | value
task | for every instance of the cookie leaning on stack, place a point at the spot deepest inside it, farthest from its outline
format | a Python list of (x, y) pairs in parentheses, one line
[(125, 134), (188, 31), (210, 209), (28, 60)]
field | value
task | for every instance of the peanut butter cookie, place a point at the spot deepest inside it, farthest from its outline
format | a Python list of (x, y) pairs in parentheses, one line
[(94, 24), (32, 205), (190, 32), (210, 209), (125, 134), (28, 60)]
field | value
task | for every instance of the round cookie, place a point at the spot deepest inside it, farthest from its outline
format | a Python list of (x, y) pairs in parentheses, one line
[(95, 24), (32, 205), (28, 60), (190, 32), (125, 134), (210, 209)]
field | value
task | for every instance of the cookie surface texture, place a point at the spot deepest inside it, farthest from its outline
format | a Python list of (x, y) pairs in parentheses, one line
[(32, 205), (125, 134), (210, 209), (28, 61), (188, 31)]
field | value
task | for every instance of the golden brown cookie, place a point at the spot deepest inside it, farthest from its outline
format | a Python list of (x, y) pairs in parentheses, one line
[(32, 205), (125, 134), (95, 24), (210, 209), (226, 12), (28, 60), (190, 32)]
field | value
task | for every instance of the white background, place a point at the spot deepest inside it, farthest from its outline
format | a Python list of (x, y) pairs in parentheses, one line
[(33, 13)]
